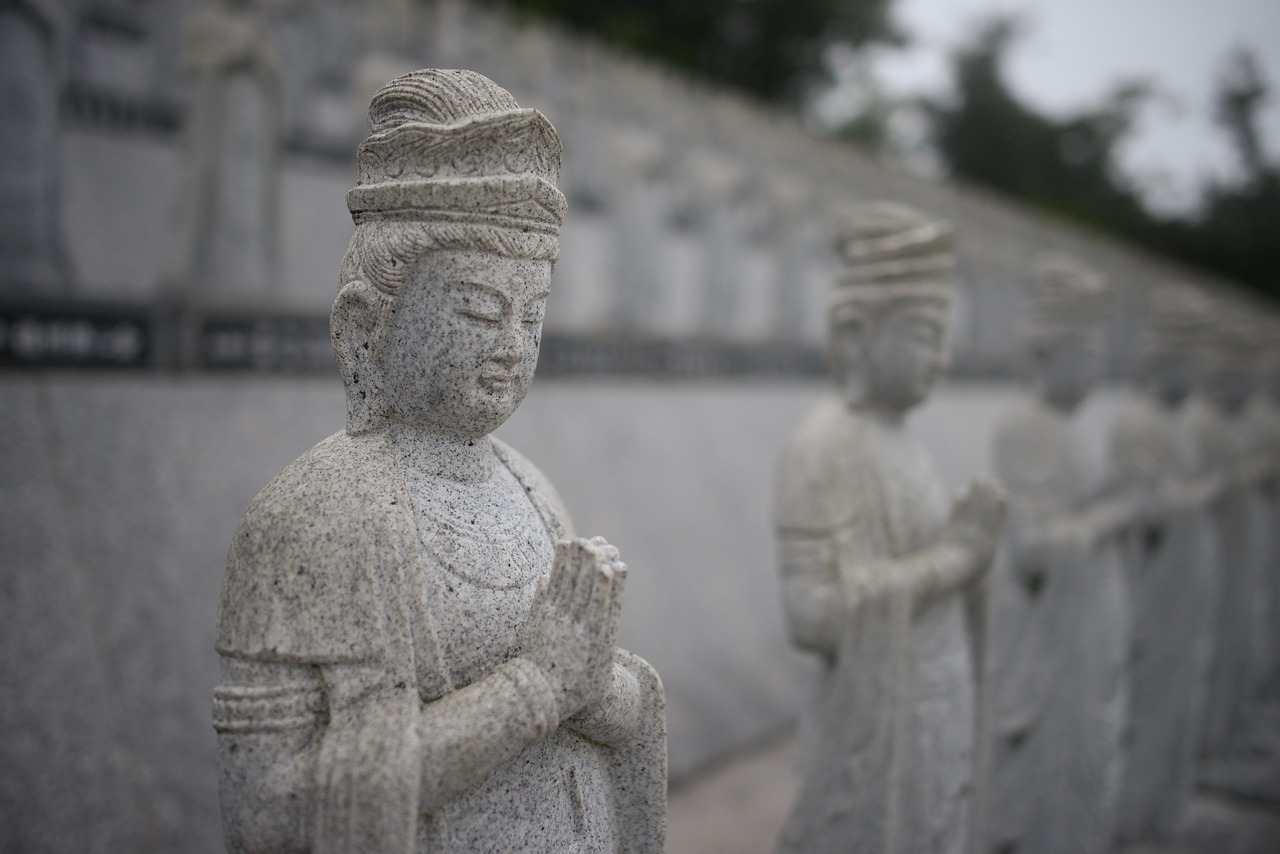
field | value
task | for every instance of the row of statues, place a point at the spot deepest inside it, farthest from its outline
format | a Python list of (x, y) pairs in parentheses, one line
[(1062, 680), (418, 654)]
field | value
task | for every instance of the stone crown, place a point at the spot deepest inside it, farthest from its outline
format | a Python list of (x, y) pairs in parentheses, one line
[(453, 146), (883, 245)]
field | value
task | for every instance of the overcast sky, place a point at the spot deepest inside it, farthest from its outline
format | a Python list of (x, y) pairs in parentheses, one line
[(1074, 51)]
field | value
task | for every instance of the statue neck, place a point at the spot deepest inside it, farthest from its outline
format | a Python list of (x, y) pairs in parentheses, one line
[(445, 455)]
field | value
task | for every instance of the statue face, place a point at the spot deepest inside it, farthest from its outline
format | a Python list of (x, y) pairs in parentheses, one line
[(1070, 367), (895, 365), (909, 354), (462, 341)]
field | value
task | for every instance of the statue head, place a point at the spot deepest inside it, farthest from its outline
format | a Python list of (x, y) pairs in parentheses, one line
[(442, 290), (1064, 332), (888, 318), (1169, 354)]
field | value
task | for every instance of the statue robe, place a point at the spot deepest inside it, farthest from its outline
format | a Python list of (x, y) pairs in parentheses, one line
[(1055, 680), (1173, 600), (326, 569), (887, 748)]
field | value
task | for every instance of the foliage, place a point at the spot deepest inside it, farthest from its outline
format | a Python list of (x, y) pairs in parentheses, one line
[(769, 48), (1067, 166)]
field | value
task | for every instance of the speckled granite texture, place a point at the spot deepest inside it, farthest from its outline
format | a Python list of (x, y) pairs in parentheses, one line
[(878, 572), (417, 655)]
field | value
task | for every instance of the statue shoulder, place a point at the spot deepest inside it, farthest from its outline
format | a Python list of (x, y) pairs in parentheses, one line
[(538, 487), (306, 569), (825, 469)]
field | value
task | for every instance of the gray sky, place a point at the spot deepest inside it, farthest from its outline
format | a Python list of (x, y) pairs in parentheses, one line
[(1074, 51)]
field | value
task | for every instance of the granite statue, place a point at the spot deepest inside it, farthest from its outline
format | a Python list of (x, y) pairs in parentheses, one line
[(1170, 557), (1056, 693), (417, 654), (878, 573), (1263, 414), (1224, 446)]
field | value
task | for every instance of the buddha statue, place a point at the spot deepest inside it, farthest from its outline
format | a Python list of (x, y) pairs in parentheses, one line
[(417, 654), (1171, 560), (1225, 447), (1263, 415), (1056, 686), (878, 569)]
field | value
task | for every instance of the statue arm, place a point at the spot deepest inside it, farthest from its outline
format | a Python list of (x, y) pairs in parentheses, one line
[(961, 551), (289, 734), (614, 720), (811, 591)]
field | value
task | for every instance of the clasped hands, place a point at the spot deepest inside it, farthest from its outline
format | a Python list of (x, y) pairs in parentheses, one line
[(573, 625)]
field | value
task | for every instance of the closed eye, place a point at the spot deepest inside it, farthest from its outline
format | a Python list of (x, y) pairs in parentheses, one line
[(479, 316)]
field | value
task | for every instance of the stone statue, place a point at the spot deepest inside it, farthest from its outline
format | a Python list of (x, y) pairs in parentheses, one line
[(1055, 678), (1171, 559), (877, 571), (1225, 448), (416, 654), (1263, 415)]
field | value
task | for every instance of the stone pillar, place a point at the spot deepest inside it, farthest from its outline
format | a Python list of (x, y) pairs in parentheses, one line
[(638, 211), (228, 221), (716, 181)]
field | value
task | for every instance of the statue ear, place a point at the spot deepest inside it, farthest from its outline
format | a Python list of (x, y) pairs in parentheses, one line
[(353, 327), (849, 349)]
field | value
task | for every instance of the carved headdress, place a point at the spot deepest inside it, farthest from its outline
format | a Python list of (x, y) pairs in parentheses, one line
[(1067, 299), (452, 146), (890, 251)]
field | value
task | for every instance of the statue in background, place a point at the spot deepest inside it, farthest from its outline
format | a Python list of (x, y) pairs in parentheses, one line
[(1263, 416), (416, 654), (1056, 686), (877, 570), (1171, 563), (1231, 733)]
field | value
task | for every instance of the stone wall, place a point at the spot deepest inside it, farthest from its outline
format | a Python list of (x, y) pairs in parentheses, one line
[(695, 215), (122, 491)]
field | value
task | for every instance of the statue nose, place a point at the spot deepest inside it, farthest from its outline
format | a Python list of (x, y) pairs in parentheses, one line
[(509, 350)]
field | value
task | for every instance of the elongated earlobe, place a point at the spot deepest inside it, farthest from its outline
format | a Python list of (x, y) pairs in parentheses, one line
[(850, 353), (353, 326)]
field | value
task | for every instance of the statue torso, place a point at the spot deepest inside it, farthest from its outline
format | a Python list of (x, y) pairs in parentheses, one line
[(484, 548)]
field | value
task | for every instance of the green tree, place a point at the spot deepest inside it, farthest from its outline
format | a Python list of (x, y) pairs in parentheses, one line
[(769, 48), (1067, 166)]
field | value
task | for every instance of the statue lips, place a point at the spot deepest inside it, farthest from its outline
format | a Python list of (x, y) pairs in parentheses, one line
[(497, 382)]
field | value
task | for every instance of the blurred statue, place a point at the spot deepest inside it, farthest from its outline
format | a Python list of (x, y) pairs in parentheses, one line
[(1056, 681), (1242, 631), (877, 571), (228, 207), (1264, 419), (416, 655), (32, 35), (1171, 560)]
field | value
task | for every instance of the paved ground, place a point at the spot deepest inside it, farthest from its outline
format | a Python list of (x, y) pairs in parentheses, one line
[(739, 806)]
